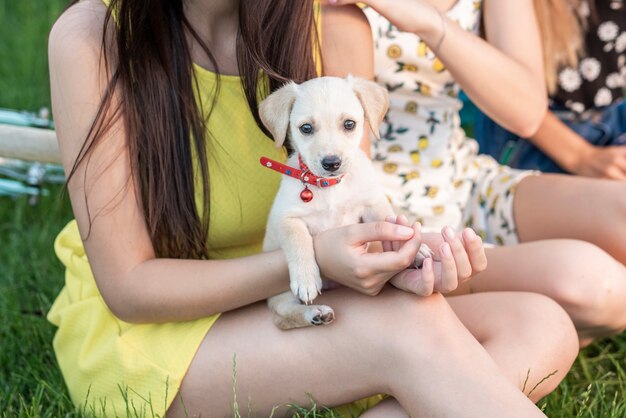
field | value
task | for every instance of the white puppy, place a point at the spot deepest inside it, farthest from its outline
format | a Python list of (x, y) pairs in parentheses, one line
[(328, 182)]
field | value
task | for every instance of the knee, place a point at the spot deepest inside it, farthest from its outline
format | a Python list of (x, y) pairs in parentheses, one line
[(546, 322), (547, 330), (586, 281), (427, 322)]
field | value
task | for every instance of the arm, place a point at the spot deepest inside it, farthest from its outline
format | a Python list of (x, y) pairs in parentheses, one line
[(342, 55), (503, 77), (575, 155), (135, 285), (459, 258)]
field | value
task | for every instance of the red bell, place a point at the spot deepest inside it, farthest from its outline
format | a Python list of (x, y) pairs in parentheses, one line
[(306, 195)]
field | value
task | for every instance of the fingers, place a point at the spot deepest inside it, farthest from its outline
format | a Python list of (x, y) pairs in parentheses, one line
[(400, 220), (359, 234), (394, 261), (615, 173), (475, 250), (408, 249), (421, 282), (463, 266), (427, 287), (449, 279), (387, 244), (620, 162)]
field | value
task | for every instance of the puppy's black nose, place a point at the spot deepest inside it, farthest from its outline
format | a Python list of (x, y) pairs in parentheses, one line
[(331, 163)]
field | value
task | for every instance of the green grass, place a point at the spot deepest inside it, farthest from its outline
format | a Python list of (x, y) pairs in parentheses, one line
[(24, 26), (30, 276)]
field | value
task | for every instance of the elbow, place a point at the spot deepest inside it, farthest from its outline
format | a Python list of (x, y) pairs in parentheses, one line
[(124, 310), (122, 301), (528, 125)]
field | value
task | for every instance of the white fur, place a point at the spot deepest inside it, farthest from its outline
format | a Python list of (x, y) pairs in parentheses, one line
[(325, 103)]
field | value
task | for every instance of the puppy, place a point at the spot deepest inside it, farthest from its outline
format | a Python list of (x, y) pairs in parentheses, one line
[(328, 181)]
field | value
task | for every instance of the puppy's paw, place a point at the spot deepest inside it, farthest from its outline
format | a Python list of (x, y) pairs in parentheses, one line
[(319, 315), (423, 253), (307, 288)]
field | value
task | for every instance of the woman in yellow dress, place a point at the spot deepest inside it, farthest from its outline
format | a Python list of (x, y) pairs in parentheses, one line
[(155, 105)]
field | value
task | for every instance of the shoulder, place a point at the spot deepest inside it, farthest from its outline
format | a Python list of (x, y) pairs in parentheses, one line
[(506, 9), (346, 42), (77, 33), (345, 19), (78, 77)]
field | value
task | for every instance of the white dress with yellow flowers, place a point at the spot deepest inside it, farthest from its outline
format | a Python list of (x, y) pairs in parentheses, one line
[(430, 170)]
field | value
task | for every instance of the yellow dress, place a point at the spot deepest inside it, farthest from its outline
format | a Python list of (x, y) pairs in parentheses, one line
[(114, 368), (103, 358)]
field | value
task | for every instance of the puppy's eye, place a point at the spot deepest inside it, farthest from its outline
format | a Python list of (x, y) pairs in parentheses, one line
[(306, 129), (349, 124)]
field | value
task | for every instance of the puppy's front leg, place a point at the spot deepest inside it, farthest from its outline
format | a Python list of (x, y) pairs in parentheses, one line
[(297, 244), (378, 211), (290, 313)]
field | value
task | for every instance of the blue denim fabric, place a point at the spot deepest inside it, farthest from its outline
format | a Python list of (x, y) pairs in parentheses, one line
[(511, 150)]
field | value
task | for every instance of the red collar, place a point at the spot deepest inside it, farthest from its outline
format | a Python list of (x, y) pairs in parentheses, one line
[(304, 174)]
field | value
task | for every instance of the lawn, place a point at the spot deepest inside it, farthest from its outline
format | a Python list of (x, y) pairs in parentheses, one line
[(30, 275)]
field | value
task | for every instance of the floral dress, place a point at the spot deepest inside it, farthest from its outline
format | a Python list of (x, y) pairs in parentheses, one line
[(599, 79), (430, 170)]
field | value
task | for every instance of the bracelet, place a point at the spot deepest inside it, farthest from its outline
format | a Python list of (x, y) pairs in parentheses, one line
[(444, 27)]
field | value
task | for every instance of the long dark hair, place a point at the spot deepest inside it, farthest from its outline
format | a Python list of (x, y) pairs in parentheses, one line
[(154, 83)]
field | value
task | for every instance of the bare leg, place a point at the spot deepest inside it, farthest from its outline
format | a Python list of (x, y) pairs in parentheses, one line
[(525, 333), (412, 348), (528, 335), (588, 283), (557, 206), (389, 408)]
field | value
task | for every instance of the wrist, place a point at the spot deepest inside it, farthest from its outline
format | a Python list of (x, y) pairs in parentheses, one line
[(575, 160), (434, 29)]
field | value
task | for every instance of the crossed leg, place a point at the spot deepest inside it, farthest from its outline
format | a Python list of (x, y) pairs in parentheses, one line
[(573, 233), (516, 329), (587, 282), (412, 348), (552, 206)]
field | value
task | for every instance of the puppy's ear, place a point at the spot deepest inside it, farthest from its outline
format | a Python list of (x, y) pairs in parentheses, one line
[(373, 98), (276, 109)]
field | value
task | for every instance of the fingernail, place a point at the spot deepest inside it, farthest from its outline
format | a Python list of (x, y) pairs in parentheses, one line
[(427, 264), (389, 219), (470, 234), (404, 231), (445, 250), (448, 233)]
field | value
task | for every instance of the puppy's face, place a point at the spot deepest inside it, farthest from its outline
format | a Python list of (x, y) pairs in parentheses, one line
[(324, 118), (326, 125)]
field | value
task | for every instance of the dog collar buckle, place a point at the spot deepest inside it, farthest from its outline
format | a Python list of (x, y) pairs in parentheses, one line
[(324, 182)]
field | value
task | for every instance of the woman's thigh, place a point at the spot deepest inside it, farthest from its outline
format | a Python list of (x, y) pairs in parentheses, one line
[(587, 282), (413, 348), (558, 206)]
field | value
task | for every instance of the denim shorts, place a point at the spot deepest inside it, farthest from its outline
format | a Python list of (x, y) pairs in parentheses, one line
[(600, 128)]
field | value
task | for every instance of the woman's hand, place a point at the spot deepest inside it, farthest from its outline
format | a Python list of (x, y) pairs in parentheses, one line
[(577, 156), (603, 162), (456, 260), (342, 255), (417, 16)]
